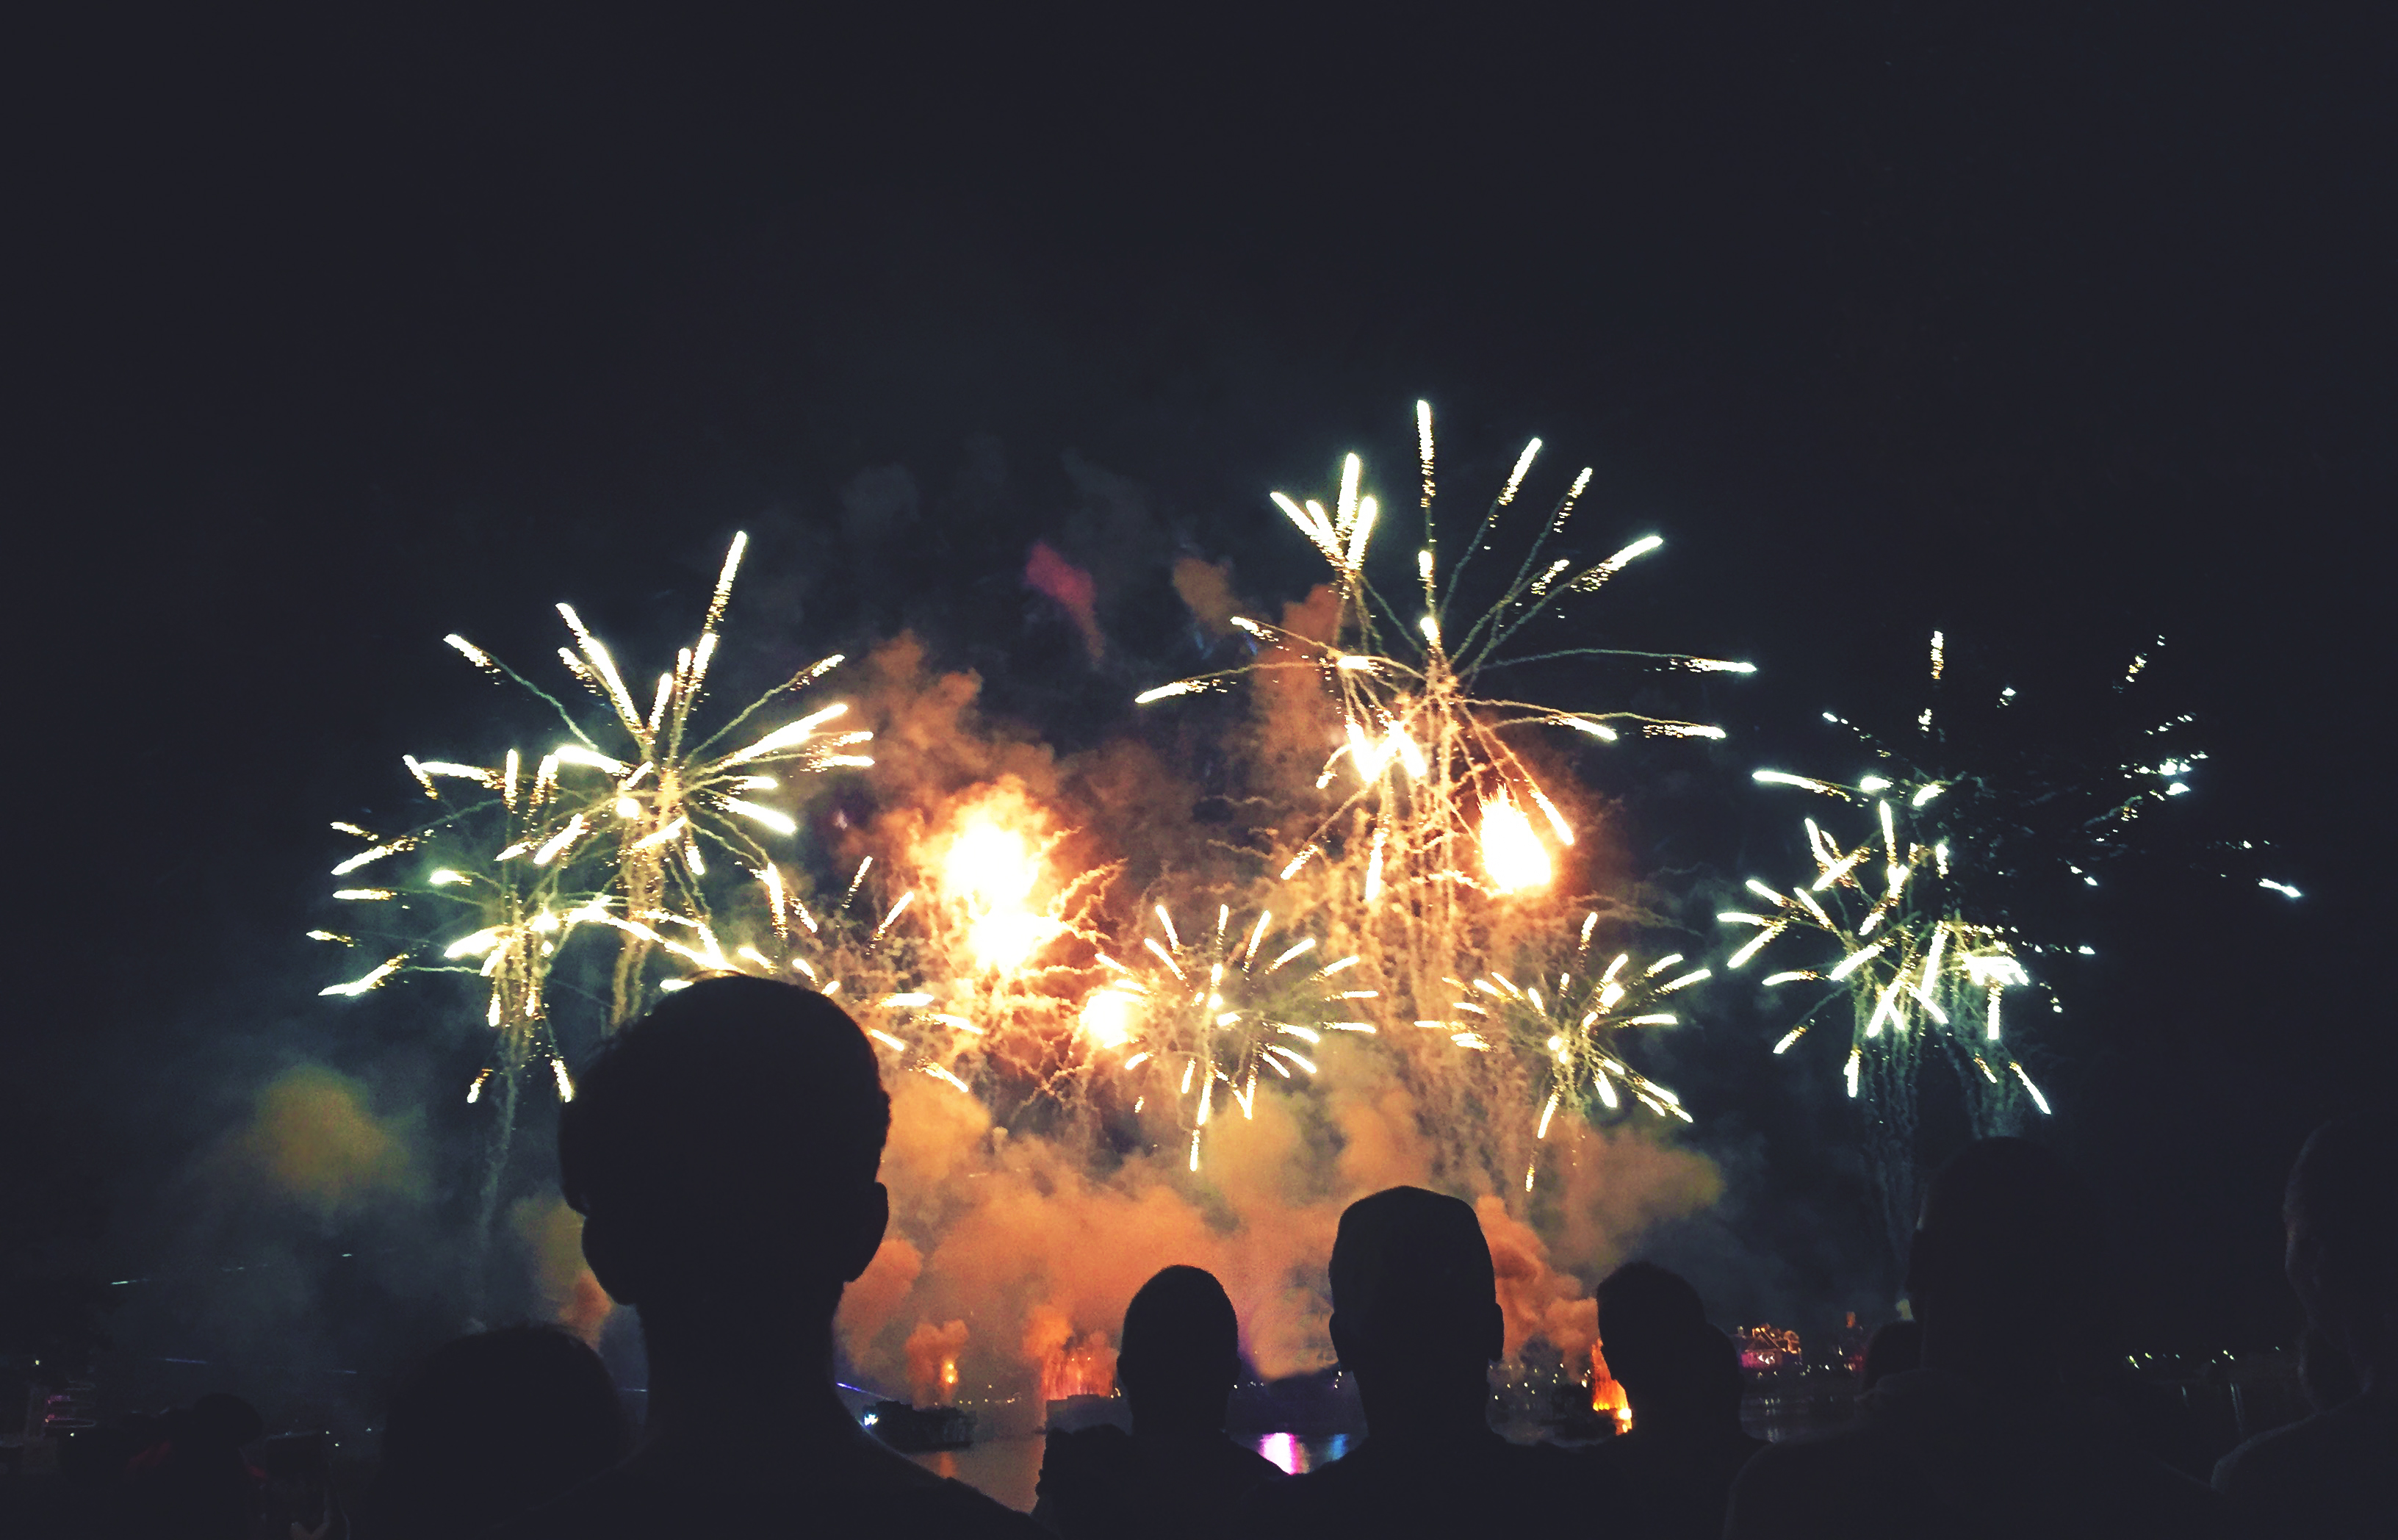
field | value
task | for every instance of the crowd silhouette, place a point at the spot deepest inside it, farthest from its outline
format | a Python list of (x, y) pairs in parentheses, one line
[(724, 1152)]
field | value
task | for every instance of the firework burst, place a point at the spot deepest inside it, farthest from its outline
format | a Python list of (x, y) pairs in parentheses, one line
[(858, 950), (1199, 1018), (1572, 1022), (1930, 875), (1906, 954), (472, 903), (646, 787), (1434, 799)]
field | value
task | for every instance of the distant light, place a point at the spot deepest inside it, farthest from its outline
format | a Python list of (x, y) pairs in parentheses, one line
[(2285, 889)]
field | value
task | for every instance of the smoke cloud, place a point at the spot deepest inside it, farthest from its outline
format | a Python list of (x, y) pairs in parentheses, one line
[(1021, 1229), (313, 1138), (551, 1235), (1206, 588), (1038, 1245), (1073, 590)]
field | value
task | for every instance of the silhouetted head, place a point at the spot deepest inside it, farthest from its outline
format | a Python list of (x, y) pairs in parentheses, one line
[(493, 1424), (722, 1152), (2010, 1262), (224, 1421), (1896, 1348), (1678, 1371), (2341, 1223), (1415, 1310), (1182, 1352)]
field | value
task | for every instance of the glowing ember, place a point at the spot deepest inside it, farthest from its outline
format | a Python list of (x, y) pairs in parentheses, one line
[(992, 870), (1512, 854), (1606, 1397)]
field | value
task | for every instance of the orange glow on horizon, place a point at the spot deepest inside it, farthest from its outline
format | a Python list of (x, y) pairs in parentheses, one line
[(1607, 1396)]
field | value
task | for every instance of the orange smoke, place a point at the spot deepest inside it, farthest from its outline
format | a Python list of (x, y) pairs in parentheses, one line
[(1536, 1299), (1069, 1366), (1607, 1396), (552, 1235), (1207, 588), (587, 1309), (871, 1300), (933, 1360)]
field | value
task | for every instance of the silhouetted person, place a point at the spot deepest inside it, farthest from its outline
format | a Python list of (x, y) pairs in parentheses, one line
[(191, 1482), (1996, 1434), (1174, 1474), (723, 1153), (492, 1425), (1896, 1348), (1674, 1468), (1416, 1319), (2332, 1474)]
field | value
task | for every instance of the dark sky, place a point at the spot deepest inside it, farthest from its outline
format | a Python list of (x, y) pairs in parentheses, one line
[(2057, 330)]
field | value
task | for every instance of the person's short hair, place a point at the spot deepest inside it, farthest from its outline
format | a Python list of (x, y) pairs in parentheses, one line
[(494, 1424), (1652, 1326), (1641, 1296), (1896, 1348), (1182, 1319), (730, 1086), (2340, 1190), (1411, 1263)]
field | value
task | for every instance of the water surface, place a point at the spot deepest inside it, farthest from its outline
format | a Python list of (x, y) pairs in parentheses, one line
[(1007, 1468)]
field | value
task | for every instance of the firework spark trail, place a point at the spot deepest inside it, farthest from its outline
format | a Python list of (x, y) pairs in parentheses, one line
[(466, 896), (1907, 955), (1433, 790), (858, 950), (1201, 1017), (1570, 1021), (1952, 836), (1914, 913), (661, 799), (494, 911)]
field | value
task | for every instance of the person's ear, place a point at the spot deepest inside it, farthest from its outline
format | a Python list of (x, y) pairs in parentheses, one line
[(1494, 1333), (1343, 1348), (866, 1223)]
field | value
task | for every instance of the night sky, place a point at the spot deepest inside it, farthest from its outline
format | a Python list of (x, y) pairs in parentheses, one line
[(2057, 330)]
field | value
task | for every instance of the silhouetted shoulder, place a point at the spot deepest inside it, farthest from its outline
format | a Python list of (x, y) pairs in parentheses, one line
[(626, 1505), (1885, 1483), (2329, 1475), (1796, 1488)]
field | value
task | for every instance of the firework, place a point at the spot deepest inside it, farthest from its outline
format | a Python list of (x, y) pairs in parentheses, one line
[(1922, 871), (1434, 799), (1571, 1022), (862, 951), (1904, 952), (1199, 1018), (646, 788), (460, 899), (1959, 829)]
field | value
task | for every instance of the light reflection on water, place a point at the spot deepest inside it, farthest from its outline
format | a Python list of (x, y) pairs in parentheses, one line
[(1009, 1469)]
